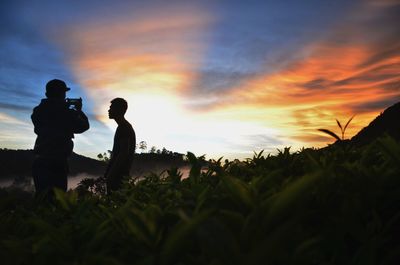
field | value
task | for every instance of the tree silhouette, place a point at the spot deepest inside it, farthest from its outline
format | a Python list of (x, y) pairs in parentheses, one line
[(143, 146)]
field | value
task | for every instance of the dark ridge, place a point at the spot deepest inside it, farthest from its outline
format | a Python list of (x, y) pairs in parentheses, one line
[(82, 164), (387, 122), (18, 163)]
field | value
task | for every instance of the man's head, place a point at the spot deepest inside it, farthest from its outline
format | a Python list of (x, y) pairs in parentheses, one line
[(56, 89), (118, 108)]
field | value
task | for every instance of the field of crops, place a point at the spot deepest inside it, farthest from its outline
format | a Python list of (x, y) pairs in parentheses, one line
[(338, 205)]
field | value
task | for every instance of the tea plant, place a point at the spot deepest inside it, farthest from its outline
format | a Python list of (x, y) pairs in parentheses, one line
[(342, 129), (328, 206)]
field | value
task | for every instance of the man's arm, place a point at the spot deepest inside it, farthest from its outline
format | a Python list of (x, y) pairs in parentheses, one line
[(35, 117), (80, 122)]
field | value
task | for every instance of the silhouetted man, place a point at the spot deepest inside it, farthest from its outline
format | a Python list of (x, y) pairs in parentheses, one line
[(55, 125), (123, 148)]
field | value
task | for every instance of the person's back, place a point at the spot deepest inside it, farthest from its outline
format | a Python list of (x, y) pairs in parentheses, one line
[(55, 124)]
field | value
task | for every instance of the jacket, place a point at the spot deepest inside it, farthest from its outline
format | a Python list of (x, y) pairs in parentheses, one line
[(55, 125)]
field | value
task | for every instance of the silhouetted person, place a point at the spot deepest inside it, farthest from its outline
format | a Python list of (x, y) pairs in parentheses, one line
[(55, 125), (123, 148)]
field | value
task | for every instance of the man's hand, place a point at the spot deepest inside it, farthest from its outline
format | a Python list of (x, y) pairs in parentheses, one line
[(78, 105)]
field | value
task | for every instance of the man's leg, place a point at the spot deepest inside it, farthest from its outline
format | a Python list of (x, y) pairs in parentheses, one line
[(113, 183), (60, 179), (49, 174), (41, 175)]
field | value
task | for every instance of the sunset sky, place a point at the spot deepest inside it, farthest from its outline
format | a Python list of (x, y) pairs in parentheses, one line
[(221, 78)]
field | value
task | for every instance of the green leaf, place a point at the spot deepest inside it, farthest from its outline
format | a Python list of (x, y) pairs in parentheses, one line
[(334, 135), (340, 125), (196, 164), (61, 197), (232, 219), (179, 237), (239, 191), (66, 199), (391, 148), (294, 194), (348, 122), (202, 198)]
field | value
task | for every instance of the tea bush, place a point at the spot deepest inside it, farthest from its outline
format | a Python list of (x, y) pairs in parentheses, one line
[(337, 205)]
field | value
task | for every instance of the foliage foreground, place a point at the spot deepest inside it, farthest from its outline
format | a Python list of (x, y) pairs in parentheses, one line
[(337, 205)]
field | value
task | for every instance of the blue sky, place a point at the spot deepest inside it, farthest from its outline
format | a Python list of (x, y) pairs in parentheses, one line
[(222, 78)]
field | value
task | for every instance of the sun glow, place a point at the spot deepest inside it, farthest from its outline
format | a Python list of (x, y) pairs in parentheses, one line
[(154, 66), (159, 62)]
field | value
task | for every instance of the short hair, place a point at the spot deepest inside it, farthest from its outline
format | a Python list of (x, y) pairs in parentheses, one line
[(120, 104)]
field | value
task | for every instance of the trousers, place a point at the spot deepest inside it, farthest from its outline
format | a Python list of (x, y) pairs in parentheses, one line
[(49, 173), (114, 183)]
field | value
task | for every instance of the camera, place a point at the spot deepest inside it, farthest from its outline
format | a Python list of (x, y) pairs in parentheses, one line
[(73, 102)]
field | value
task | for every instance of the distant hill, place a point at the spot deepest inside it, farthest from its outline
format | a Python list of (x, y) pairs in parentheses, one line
[(387, 122), (17, 163)]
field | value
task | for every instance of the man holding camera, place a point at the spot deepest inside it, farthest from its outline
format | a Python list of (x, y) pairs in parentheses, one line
[(56, 120)]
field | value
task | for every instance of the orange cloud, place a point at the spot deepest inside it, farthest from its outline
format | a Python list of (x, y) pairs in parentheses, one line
[(311, 93), (149, 59), (151, 53), (339, 77), (152, 60)]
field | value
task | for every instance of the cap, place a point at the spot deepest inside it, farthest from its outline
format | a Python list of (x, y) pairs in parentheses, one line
[(56, 84)]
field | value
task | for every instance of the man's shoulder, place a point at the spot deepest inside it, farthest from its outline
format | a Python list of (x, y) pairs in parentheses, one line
[(40, 109), (125, 128), (36, 109), (40, 106), (126, 125)]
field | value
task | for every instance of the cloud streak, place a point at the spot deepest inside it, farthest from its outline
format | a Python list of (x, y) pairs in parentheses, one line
[(211, 77), (352, 71)]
